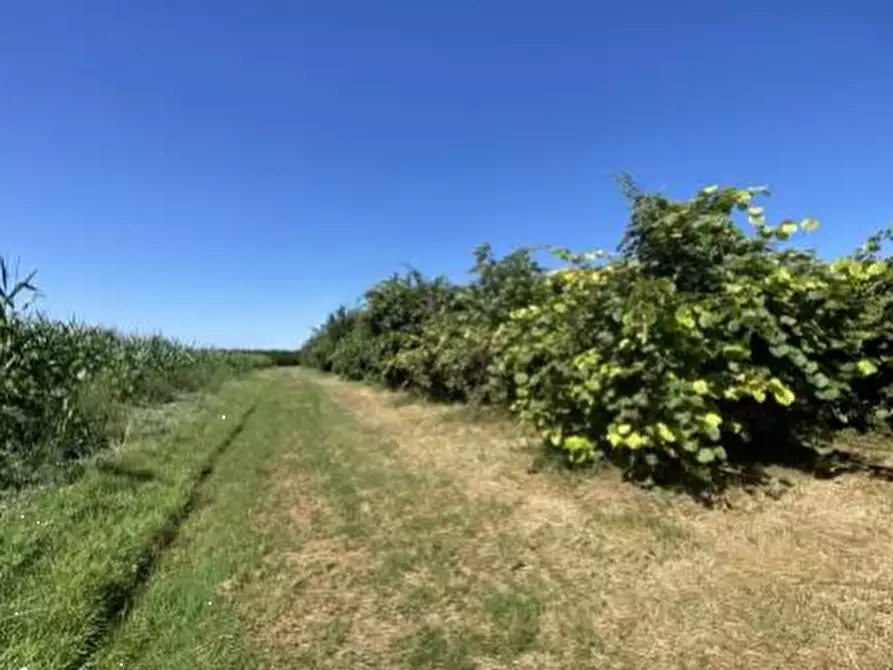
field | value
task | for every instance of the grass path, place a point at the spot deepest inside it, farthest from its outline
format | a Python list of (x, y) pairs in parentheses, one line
[(559, 571), (341, 527), (72, 556)]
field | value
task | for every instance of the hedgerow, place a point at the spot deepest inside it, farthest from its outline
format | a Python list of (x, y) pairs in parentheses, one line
[(694, 341)]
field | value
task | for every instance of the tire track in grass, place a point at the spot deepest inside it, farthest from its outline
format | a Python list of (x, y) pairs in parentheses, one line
[(345, 532), (66, 549), (118, 599), (184, 616)]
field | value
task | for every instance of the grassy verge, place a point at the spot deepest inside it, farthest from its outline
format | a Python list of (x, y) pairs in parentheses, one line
[(73, 554), (346, 529), (312, 535), (367, 567), (464, 559), (183, 617)]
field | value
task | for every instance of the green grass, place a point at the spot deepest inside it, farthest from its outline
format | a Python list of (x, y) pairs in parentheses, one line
[(73, 554), (67, 386), (222, 593), (324, 525), (181, 619), (516, 613), (389, 541)]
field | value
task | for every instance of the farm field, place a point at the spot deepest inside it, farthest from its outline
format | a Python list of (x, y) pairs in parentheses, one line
[(327, 524), (411, 335)]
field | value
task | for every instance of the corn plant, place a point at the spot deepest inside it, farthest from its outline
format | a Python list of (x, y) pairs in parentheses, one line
[(65, 386)]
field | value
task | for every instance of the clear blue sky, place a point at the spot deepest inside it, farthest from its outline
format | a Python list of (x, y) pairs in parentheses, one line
[(228, 172)]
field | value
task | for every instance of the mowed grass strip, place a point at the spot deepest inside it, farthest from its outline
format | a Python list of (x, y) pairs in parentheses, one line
[(313, 546), (346, 528), (184, 617), (374, 564), (72, 555), (512, 568)]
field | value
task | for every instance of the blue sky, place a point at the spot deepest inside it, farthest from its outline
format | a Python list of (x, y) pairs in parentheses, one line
[(229, 172)]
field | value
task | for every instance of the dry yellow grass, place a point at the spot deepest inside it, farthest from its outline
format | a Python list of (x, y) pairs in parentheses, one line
[(458, 557)]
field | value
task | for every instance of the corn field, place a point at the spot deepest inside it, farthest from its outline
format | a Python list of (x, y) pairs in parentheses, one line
[(65, 386)]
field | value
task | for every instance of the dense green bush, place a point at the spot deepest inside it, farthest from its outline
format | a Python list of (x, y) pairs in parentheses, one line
[(64, 386), (694, 341), (428, 335)]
